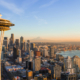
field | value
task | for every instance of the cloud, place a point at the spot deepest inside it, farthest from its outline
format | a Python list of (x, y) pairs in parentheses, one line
[(48, 4), (11, 6), (40, 20), (28, 3)]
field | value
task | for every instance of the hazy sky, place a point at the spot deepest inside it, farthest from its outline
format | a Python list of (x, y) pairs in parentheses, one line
[(57, 20)]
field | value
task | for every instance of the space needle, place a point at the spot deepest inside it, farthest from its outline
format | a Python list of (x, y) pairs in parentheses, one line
[(4, 26)]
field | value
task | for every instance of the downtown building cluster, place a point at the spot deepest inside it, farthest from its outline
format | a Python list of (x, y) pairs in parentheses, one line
[(32, 61)]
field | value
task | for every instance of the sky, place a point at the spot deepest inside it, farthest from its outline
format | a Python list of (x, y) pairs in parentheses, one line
[(43, 20)]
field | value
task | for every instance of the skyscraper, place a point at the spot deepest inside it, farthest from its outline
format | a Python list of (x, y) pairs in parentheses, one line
[(45, 52), (32, 46), (31, 54), (37, 64), (69, 65), (12, 39), (21, 43), (19, 52), (17, 43), (55, 70), (51, 51), (15, 52), (24, 46), (28, 46), (76, 61), (5, 42)]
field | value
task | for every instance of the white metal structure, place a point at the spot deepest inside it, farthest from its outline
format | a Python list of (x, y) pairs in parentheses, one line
[(1, 43), (4, 26)]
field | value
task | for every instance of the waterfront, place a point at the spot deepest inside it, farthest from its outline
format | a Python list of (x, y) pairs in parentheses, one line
[(70, 53)]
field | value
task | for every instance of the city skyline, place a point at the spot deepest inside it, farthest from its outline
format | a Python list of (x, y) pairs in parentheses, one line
[(40, 39), (50, 20)]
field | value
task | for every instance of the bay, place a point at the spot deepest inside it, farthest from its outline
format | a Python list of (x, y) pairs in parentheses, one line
[(70, 53)]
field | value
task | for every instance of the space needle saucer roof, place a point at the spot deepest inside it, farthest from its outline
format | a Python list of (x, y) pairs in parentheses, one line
[(5, 24)]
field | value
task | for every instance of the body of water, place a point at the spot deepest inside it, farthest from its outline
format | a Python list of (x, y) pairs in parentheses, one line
[(70, 53)]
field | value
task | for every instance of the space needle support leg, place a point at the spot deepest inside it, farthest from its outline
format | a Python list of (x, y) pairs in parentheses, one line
[(1, 43)]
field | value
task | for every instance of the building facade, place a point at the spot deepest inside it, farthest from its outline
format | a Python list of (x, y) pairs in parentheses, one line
[(51, 51), (36, 64), (28, 46), (17, 43), (12, 40), (5, 42), (32, 46), (69, 65)]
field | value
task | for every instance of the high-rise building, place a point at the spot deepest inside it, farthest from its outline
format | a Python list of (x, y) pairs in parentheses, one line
[(19, 52), (3, 48), (5, 42), (36, 64), (29, 74), (55, 71), (12, 39), (21, 43), (21, 39), (76, 62), (28, 46), (45, 52), (24, 46), (30, 65), (32, 46), (17, 43), (69, 65), (51, 51), (31, 54), (15, 52), (3, 51)]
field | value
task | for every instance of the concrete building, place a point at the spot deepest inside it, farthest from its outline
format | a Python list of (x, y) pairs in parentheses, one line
[(45, 52), (36, 64), (76, 62), (31, 54)]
